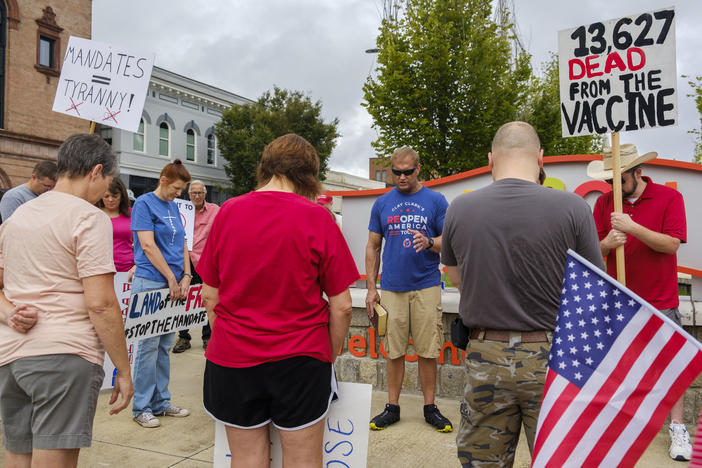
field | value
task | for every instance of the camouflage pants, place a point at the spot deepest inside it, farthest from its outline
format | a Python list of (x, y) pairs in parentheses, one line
[(503, 390)]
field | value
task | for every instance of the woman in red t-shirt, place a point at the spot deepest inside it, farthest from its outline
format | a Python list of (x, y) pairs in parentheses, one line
[(270, 258), (115, 204)]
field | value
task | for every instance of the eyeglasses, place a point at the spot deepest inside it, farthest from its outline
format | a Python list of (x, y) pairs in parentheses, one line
[(407, 172), (196, 193)]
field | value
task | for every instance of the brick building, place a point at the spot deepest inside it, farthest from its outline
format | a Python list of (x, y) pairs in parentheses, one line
[(379, 169), (33, 39)]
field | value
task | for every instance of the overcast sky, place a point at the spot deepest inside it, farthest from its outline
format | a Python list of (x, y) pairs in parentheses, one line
[(318, 47)]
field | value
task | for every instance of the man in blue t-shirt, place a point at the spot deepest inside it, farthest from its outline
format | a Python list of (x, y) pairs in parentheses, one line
[(410, 218)]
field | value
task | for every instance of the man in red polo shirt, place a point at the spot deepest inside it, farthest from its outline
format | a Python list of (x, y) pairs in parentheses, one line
[(651, 229)]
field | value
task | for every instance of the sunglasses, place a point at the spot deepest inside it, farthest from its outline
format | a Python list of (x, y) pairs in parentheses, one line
[(407, 172), (610, 181), (628, 171)]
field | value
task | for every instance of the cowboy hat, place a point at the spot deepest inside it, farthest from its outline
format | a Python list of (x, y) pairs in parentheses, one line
[(628, 158)]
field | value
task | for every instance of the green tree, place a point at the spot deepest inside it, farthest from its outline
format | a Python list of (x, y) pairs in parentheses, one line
[(543, 111), (246, 129), (446, 80), (697, 87)]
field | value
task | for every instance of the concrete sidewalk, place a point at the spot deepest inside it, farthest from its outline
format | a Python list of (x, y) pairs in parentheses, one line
[(189, 442)]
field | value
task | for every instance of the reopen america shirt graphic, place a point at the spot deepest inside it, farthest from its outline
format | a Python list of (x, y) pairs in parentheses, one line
[(392, 216)]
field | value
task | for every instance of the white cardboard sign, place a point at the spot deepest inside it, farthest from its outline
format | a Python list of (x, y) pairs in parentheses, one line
[(187, 215), (619, 75), (102, 83), (154, 313), (122, 291), (345, 432)]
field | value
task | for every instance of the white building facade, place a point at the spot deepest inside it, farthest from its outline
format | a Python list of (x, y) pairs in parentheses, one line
[(177, 123)]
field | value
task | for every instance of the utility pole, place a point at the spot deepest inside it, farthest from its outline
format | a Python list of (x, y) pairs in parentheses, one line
[(391, 8), (505, 17)]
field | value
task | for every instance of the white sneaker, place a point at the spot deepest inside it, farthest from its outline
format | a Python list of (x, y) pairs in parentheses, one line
[(175, 412), (680, 448), (147, 420)]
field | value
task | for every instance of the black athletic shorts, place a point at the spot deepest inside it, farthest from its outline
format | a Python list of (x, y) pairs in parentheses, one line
[(292, 394)]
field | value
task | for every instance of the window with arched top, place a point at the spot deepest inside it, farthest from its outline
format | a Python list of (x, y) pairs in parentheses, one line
[(139, 137), (210, 148), (190, 144), (164, 139)]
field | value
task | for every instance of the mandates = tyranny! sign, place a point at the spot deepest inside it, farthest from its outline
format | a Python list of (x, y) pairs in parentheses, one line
[(618, 75), (102, 83)]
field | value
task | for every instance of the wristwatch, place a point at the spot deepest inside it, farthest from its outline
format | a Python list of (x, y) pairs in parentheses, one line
[(431, 242)]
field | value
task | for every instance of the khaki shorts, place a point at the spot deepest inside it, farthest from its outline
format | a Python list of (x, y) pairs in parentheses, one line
[(416, 314)]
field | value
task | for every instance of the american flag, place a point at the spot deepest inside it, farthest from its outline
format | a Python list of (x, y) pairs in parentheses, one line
[(616, 367)]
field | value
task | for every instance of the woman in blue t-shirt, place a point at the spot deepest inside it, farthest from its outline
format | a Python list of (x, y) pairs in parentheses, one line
[(160, 253)]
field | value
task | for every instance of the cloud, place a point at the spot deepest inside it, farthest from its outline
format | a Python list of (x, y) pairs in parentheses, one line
[(318, 47)]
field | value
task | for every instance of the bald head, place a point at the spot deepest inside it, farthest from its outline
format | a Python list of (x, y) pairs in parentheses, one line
[(516, 152), (516, 137)]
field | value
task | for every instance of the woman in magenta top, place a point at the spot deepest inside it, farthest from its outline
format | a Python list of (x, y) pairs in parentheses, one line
[(115, 203), (271, 257)]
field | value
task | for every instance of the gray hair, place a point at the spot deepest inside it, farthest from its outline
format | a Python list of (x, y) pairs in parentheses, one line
[(80, 153), (198, 182)]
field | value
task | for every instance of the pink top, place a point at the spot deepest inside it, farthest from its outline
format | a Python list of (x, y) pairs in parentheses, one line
[(46, 248), (123, 249), (272, 255), (201, 229)]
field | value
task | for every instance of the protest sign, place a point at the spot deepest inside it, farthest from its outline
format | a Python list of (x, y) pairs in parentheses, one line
[(619, 74), (154, 313), (187, 215), (345, 432), (122, 291), (102, 83)]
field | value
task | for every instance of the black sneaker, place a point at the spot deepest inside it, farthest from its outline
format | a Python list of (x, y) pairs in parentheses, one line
[(433, 416), (390, 415), (181, 345)]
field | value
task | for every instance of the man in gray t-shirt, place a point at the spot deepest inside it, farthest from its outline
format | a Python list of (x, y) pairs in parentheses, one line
[(43, 179), (505, 246)]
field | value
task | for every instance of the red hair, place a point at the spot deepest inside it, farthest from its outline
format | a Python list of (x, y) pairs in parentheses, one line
[(175, 171)]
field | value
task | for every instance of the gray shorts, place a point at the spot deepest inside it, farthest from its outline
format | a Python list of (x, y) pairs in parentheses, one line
[(48, 402), (673, 314)]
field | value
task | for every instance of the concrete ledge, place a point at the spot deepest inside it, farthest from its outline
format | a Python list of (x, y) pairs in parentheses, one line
[(691, 310)]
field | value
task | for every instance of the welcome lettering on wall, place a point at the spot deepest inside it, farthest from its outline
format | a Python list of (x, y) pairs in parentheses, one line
[(618, 75)]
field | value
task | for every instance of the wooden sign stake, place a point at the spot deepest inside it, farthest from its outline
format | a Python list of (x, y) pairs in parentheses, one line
[(618, 205)]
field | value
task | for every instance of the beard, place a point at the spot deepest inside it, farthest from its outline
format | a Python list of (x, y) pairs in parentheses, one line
[(628, 194)]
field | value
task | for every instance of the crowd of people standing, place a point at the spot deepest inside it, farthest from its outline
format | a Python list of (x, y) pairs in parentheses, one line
[(270, 351)]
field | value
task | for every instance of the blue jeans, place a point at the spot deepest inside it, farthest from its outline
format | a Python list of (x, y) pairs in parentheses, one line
[(152, 367)]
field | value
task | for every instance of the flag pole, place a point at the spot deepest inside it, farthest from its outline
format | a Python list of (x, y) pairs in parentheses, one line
[(618, 205), (92, 128)]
